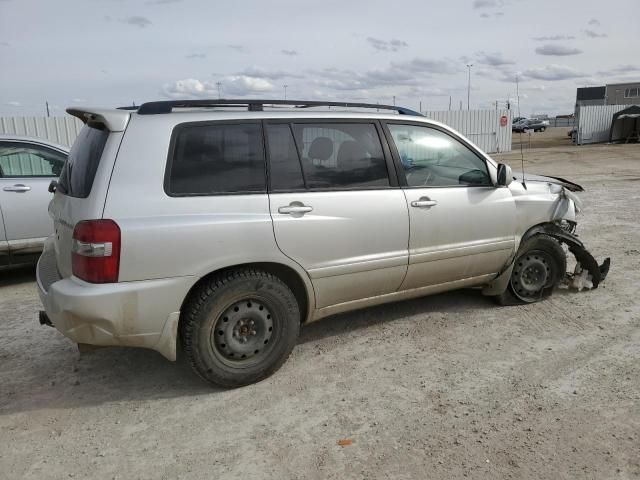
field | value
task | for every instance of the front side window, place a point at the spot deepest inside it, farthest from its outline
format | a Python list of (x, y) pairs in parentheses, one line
[(27, 160), (431, 158), (341, 155), (217, 159)]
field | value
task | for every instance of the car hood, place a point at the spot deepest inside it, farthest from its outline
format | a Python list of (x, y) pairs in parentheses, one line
[(572, 187)]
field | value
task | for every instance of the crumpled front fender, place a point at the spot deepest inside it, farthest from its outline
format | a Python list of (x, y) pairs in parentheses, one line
[(585, 259)]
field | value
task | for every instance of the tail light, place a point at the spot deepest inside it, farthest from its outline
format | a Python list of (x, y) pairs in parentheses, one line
[(95, 253)]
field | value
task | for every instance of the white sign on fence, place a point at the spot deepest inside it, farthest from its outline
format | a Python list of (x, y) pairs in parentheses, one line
[(483, 127)]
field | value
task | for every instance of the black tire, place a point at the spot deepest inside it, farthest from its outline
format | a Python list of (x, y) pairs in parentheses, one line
[(239, 327), (539, 267)]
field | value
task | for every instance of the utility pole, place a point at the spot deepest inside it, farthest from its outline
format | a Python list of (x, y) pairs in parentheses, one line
[(285, 91), (394, 100), (449, 102), (47, 104), (460, 104), (219, 84), (469, 86), (420, 109)]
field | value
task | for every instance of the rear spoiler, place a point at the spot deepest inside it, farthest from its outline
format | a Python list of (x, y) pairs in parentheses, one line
[(113, 120)]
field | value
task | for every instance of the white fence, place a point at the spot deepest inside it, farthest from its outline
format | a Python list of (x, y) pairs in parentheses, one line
[(61, 130), (482, 127), (594, 123)]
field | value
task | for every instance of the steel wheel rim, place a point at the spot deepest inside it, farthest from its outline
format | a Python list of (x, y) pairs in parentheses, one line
[(242, 334), (532, 274)]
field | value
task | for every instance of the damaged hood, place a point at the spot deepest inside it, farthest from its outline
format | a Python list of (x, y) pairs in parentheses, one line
[(572, 187)]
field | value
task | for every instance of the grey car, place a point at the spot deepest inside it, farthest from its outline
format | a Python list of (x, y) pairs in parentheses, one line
[(534, 124), (225, 225), (27, 166)]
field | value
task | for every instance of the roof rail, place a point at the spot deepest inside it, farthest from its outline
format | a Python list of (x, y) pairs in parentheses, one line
[(155, 108)]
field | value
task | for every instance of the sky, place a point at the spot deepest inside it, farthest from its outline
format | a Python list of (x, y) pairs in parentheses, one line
[(115, 52)]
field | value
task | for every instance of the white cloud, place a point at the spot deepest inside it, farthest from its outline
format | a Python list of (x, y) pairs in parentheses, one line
[(259, 72), (593, 34), (557, 50), (554, 38), (137, 21), (14, 104), (235, 85), (291, 53), (553, 72), (594, 22), (495, 59), (392, 45), (477, 4)]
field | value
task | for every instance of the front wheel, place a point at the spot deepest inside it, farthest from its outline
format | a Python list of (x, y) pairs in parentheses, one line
[(240, 327), (538, 268)]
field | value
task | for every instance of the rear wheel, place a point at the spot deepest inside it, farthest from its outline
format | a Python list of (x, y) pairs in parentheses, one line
[(240, 327), (539, 267)]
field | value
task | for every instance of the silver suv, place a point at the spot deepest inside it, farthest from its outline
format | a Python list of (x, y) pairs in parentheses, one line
[(227, 224)]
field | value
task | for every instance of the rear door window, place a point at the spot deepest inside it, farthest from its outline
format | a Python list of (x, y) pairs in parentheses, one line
[(330, 155), (81, 166), (209, 159)]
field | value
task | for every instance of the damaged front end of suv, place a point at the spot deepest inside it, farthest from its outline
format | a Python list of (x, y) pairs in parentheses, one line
[(547, 208)]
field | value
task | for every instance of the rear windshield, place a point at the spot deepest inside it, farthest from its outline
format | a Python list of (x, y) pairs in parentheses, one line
[(79, 171)]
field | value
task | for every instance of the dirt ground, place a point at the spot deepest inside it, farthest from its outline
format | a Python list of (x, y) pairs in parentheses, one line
[(449, 386)]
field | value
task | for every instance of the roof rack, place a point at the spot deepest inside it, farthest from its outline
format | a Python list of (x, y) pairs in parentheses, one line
[(155, 108)]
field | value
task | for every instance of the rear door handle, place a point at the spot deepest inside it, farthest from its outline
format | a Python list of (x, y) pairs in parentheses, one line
[(295, 208), (424, 202), (18, 187)]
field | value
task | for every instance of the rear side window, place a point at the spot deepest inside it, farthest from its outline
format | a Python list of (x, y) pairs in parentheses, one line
[(217, 159), (80, 169), (28, 160)]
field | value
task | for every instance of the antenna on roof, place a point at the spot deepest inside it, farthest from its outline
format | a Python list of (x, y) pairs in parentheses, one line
[(524, 183)]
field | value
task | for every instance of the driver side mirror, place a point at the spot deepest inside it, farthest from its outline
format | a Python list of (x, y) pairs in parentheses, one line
[(505, 175)]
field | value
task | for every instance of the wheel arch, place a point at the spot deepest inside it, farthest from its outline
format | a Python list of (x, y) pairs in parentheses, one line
[(499, 284), (297, 281)]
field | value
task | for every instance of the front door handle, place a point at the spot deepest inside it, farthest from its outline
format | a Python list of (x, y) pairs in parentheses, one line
[(295, 208), (424, 202), (18, 187)]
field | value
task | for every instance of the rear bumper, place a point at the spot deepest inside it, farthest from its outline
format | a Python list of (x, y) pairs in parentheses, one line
[(134, 314)]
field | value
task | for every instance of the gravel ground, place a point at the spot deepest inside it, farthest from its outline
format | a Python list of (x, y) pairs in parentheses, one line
[(449, 386)]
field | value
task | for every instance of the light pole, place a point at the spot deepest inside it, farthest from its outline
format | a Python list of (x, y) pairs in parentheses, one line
[(285, 91), (469, 86), (218, 84)]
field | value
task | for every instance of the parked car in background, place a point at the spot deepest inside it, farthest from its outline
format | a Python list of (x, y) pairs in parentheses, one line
[(223, 225), (27, 167), (530, 124)]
